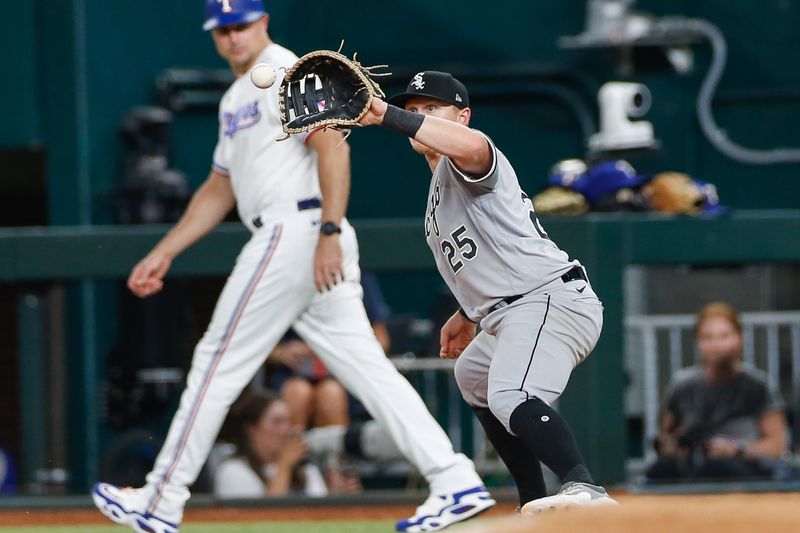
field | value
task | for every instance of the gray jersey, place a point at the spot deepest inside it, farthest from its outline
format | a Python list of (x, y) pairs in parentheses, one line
[(487, 242), (733, 409)]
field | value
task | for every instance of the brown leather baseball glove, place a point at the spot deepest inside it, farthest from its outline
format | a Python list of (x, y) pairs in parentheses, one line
[(326, 89)]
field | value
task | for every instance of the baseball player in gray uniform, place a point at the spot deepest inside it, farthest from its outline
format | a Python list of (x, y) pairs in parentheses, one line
[(538, 314)]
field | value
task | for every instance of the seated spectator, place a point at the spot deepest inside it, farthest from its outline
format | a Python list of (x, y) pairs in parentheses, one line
[(270, 458), (720, 419), (314, 397)]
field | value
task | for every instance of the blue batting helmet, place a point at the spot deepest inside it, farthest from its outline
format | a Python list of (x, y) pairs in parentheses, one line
[(232, 12)]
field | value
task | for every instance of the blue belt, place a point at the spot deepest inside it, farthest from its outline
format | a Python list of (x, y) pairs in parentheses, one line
[(309, 203), (302, 205)]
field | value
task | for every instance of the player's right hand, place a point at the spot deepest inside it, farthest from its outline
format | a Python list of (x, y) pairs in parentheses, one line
[(456, 335), (147, 277), (328, 263), (374, 117)]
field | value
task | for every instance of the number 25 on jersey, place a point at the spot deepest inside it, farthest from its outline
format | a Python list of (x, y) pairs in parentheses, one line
[(461, 247)]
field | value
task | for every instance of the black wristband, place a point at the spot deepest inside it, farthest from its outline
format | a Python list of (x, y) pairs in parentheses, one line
[(405, 122), (462, 313)]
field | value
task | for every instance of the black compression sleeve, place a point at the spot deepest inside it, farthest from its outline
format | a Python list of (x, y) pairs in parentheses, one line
[(405, 122), (550, 439), (522, 464)]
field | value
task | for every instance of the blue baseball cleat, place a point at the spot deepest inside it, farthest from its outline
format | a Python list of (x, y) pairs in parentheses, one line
[(116, 504), (438, 512)]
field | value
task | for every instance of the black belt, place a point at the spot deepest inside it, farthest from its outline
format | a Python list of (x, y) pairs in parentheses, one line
[(302, 205), (574, 273)]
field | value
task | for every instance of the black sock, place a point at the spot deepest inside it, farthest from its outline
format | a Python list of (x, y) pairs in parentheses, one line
[(522, 464), (545, 433)]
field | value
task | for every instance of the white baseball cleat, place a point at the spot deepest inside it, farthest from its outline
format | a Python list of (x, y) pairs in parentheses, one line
[(572, 494), (438, 512), (116, 504)]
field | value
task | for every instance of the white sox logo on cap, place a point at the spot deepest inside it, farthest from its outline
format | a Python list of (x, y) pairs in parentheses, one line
[(418, 82)]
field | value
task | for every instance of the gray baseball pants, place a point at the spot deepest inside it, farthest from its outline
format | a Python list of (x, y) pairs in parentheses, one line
[(529, 348)]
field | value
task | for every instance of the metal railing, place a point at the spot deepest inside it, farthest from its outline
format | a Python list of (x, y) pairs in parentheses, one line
[(658, 345), (434, 380)]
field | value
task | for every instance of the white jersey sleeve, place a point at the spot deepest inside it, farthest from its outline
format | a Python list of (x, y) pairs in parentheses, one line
[(222, 152)]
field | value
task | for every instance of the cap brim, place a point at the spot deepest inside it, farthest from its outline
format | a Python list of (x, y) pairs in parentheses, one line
[(400, 100), (232, 19)]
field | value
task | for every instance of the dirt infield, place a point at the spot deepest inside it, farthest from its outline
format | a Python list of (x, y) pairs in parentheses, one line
[(731, 513), (734, 513)]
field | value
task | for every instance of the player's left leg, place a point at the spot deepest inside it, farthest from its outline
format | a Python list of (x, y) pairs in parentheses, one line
[(263, 294), (472, 375), (540, 341), (521, 462)]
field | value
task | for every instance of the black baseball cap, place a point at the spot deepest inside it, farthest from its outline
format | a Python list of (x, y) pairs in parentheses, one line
[(434, 84)]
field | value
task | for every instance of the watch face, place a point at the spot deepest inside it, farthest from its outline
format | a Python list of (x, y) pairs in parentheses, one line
[(329, 228)]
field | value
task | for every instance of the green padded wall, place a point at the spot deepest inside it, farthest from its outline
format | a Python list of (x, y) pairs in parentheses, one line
[(19, 91), (115, 49), (104, 57)]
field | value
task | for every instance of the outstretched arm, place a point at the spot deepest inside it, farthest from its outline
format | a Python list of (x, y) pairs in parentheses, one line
[(466, 148), (208, 207)]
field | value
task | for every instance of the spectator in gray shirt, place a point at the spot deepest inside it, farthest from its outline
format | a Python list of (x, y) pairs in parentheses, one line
[(720, 419)]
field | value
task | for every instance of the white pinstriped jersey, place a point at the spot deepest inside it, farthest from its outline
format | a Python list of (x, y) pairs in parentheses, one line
[(486, 240), (263, 172)]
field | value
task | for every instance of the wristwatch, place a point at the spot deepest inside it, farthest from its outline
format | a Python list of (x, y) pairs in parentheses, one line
[(329, 228)]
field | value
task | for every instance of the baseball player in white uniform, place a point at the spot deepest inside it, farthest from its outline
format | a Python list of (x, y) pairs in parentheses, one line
[(299, 269), (538, 314)]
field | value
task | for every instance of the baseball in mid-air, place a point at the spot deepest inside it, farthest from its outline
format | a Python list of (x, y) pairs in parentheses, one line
[(263, 75)]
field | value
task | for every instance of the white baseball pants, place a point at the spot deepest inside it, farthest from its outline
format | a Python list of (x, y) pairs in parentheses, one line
[(270, 289)]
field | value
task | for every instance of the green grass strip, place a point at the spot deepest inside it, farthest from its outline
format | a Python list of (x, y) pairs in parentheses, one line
[(360, 526)]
